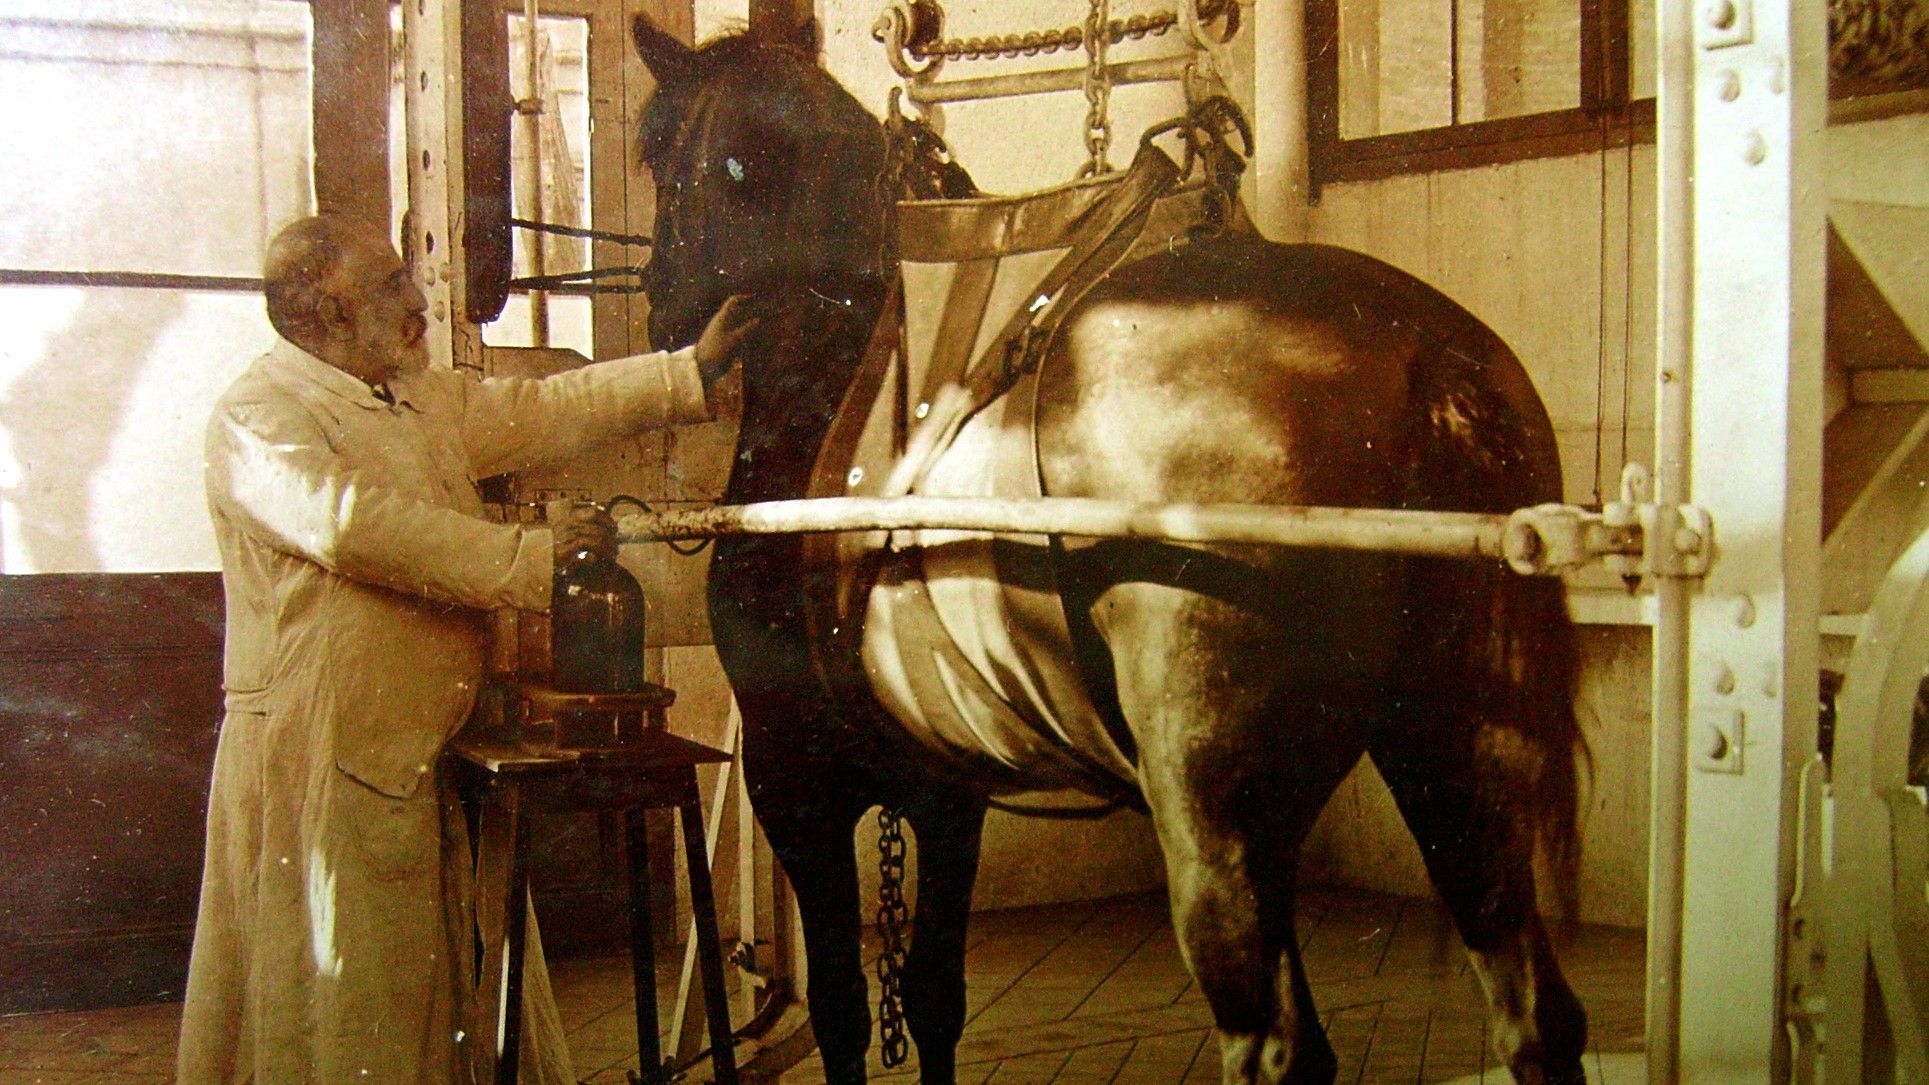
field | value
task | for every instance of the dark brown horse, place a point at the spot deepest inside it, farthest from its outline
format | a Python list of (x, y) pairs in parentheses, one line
[(1238, 684)]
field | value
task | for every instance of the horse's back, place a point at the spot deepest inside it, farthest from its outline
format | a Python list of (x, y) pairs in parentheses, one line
[(1242, 370)]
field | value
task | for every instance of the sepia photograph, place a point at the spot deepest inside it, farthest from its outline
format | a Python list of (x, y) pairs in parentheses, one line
[(964, 542)]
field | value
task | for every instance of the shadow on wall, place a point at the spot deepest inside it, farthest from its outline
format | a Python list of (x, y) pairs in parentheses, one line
[(61, 417)]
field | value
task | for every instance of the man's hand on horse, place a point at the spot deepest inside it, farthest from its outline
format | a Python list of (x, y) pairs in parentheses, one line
[(717, 346), (586, 528)]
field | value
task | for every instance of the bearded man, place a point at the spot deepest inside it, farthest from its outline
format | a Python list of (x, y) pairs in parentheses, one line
[(334, 937)]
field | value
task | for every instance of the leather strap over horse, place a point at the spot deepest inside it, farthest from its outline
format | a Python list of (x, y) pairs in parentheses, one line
[(1102, 240)]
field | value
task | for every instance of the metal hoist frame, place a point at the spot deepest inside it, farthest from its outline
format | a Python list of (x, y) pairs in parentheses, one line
[(1741, 100)]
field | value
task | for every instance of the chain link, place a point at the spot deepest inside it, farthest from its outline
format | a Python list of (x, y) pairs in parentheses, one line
[(893, 917), (1032, 43), (1098, 88)]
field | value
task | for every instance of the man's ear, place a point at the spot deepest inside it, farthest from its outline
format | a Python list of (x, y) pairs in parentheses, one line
[(334, 315)]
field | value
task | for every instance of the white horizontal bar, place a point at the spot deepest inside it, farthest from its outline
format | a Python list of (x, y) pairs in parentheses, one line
[(1158, 70), (1437, 534)]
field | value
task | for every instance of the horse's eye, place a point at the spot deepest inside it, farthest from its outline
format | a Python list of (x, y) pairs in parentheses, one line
[(734, 168)]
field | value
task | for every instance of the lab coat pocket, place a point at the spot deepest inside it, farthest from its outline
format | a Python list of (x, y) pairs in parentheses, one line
[(393, 838)]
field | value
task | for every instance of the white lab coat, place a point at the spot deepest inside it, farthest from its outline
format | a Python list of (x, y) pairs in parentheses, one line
[(337, 892)]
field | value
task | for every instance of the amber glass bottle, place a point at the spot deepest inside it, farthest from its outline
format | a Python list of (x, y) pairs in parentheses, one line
[(596, 627)]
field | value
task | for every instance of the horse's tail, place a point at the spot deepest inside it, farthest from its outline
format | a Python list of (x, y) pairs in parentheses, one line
[(1502, 645)]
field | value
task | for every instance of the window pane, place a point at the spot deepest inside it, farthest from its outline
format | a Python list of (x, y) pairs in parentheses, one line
[(104, 396), (1518, 57), (150, 136), (1396, 66), (1641, 32), (1413, 64)]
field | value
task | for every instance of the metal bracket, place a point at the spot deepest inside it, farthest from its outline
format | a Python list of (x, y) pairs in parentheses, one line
[(1681, 540), (1725, 23), (1633, 536), (753, 960), (1678, 540), (1805, 975)]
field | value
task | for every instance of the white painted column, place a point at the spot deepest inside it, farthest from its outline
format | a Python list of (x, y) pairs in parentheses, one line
[(1743, 94), (1281, 135), (432, 97)]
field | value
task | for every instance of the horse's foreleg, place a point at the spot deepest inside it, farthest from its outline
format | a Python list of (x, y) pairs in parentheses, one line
[(1481, 861), (948, 835), (820, 860)]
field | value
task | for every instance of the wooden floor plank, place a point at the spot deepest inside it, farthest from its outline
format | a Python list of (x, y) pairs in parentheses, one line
[(1105, 997)]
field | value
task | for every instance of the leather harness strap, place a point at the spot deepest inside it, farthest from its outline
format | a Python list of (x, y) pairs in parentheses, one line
[(1098, 244)]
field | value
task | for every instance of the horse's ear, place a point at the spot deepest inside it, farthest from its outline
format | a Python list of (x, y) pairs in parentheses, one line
[(808, 38), (667, 58)]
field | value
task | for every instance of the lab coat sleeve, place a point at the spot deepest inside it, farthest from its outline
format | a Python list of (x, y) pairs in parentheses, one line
[(509, 424), (274, 474)]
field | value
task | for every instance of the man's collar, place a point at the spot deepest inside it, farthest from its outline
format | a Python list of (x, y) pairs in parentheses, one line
[(306, 367)]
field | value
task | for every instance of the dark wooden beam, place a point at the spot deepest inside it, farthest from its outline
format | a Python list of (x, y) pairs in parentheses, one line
[(351, 102)]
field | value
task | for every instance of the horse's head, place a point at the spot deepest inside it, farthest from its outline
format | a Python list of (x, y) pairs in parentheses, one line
[(767, 174)]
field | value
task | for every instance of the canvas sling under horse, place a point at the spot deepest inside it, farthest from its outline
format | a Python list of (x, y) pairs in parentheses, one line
[(963, 635)]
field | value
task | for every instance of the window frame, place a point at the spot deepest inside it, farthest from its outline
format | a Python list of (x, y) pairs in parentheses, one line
[(1606, 117)]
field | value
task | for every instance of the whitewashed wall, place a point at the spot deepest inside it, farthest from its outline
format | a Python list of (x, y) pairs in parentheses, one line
[(142, 138)]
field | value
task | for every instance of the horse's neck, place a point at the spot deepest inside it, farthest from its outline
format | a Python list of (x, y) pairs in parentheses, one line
[(793, 390)]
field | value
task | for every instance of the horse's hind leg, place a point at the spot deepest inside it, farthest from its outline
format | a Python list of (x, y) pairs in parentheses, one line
[(949, 828), (1480, 855), (1233, 782)]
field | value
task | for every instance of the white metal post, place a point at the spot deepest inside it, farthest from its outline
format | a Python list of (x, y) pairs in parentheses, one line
[(1281, 145), (1750, 83), (432, 100)]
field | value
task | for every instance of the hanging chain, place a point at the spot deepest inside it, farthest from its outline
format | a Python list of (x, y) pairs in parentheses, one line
[(1098, 89), (1034, 42), (892, 919)]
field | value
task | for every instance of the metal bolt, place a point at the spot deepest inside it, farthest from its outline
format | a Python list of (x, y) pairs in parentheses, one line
[(1754, 149), (923, 410), (1744, 612), (1714, 744), (1727, 85), (1725, 680), (856, 476)]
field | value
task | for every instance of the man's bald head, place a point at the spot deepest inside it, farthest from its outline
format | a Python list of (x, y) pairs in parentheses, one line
[(304, 263), (336, 289)]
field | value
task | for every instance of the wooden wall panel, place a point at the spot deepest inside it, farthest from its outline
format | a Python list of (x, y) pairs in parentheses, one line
[(110, 699)]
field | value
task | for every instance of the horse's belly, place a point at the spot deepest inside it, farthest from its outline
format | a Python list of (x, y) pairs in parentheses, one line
[(965, 639)]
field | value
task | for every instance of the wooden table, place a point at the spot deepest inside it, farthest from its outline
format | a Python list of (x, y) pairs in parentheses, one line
[(507, 778)]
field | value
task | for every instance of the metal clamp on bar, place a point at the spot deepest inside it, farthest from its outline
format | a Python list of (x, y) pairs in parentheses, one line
[(1553, 538), (1681, 537), (1685, 540)]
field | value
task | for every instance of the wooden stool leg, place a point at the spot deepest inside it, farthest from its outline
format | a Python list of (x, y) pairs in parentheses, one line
[(703, 906), (502, 892), (516, 919), (649, 1050)]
